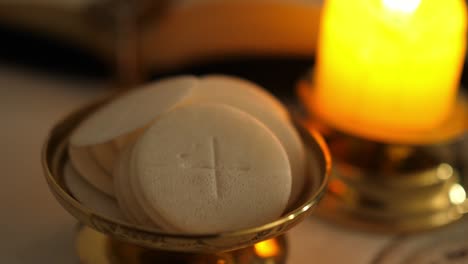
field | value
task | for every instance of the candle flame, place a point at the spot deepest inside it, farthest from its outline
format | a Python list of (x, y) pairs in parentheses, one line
[(406, 6)]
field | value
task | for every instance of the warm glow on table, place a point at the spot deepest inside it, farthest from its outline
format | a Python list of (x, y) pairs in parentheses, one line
[(389, 66)]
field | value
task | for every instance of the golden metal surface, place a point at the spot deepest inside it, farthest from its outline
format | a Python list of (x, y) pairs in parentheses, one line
[(97, 248), (401, 187), (135, 238)]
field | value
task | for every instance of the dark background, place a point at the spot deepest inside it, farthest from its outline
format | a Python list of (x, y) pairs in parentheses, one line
[(55, 56)]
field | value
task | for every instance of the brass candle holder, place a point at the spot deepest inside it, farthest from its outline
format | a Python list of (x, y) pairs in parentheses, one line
[(101, 240), (395, 187)]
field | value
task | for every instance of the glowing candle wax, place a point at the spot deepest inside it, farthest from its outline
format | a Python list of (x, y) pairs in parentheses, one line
[(388, 66)]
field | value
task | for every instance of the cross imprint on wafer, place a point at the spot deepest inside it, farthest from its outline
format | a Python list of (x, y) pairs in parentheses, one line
[(213, 165)]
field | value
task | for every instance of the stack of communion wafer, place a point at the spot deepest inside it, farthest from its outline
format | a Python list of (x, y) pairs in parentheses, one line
[(190, 155)]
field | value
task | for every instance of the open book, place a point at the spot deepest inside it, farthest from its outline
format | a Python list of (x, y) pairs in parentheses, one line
[(169, 34)]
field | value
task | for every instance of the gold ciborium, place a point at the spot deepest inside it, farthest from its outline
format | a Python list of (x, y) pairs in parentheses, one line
[(101, 240)]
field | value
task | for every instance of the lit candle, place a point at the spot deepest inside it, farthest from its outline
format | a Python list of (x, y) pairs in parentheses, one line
[(388, 66)]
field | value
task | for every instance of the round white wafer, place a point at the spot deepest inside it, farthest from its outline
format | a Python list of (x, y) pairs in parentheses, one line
[(129, 139), (89, 196), (252, 99), (143, 205), (211, 168), (88, 168), (240, 93), (105, 156), (132, 111), (123, 192)]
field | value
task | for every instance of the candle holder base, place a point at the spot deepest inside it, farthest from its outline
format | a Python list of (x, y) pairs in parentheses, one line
[(395, 187), (394, 211)]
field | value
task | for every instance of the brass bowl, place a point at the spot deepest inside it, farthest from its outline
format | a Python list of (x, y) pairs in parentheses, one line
[(55, 156)]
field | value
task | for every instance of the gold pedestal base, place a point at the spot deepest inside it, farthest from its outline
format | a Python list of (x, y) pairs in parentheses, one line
[(400, 214), (97, 248)]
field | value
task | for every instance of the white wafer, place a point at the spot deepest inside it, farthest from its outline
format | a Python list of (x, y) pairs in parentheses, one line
[(88, 168), (89, 196), (252, 99), (211, 168), (127, 199), (132, 111), (105, 156), (122, 142), (240, 93), (143, 203), (123, 192)]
